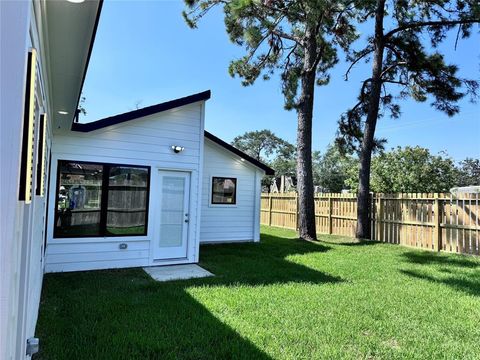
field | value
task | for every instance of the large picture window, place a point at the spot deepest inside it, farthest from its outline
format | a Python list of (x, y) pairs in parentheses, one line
[(96, 200), (224, 191)]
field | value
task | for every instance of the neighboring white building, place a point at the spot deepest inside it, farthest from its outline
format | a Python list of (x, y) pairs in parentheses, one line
[(137, 189)]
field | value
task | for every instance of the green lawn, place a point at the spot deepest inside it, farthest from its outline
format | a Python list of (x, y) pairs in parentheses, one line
[(280, 299)]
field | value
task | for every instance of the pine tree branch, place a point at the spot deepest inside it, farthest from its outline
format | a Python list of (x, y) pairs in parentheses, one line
[(395, 82), (284, 35), (392, 67), (365, 53), (417, 24), (392, 49), (287, 62)]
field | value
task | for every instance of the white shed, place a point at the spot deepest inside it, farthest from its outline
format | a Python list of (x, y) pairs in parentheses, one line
[(145, 188)]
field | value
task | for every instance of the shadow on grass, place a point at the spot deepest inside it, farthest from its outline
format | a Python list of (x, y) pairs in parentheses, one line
[(440, 259), (262, 263), (352, 243), (345, 241), (468, 283), (124, 314), (453, 271)]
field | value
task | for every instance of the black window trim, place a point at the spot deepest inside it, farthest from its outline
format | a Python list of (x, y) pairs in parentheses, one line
[(103, 209), (234, 179)]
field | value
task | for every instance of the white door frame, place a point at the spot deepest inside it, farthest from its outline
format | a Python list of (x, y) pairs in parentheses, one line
[(179, 254)]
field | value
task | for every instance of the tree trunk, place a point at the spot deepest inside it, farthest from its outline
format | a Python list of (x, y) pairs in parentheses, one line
[(306, 203), (363, 201)]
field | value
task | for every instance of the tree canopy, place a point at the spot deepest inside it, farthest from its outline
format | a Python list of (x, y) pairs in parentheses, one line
[(469, 172), (277, 35), (411, 62), (331, 169), (409, 169), (260, 144)]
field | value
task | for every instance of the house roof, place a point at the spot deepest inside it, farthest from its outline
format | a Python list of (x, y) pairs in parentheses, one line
[(135, 114), (268, 170)]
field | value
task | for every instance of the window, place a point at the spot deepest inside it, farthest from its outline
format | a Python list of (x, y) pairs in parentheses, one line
[(41, 155), (26, 167), (101, 200), (127, 200), (224, 191)]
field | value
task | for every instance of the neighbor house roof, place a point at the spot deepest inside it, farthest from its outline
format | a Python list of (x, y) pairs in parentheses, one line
[(154, 109)]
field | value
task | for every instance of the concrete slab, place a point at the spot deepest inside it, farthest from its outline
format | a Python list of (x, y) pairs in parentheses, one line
[(176, 272)]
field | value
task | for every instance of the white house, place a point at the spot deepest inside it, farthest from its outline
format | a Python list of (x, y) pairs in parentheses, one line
[(143, 188)]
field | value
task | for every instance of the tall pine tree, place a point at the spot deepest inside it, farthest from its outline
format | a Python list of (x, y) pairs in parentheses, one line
[(402, 66), (299, 39)]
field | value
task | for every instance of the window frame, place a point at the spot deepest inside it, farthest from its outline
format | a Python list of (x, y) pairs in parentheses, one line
[(104, 200), (41, 156), (222, 204), (27, 157)]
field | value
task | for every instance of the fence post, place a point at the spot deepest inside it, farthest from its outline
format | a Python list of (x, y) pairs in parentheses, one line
[(270, 209), (437, 237), (379, 220), (296, 211), (330, 208), (373, 216)]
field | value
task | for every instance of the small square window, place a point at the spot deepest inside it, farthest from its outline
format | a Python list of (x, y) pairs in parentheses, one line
[(224, 191)]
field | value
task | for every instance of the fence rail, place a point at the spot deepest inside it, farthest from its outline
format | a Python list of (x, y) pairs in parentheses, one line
[(433, 221)]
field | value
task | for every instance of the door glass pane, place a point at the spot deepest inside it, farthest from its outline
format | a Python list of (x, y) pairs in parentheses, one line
[(79, 199), (172, 213), (127, 200)]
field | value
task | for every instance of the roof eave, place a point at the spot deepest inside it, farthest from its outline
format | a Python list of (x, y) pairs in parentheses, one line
[(268, 170), (146, 111)]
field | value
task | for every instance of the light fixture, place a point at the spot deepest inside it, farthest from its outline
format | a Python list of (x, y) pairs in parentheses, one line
[(76, 1), (177, 149), (63, 112), (243, 160)]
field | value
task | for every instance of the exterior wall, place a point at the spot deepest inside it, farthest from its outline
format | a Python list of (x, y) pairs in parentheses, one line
[(229, 223), (22, 224), (146, 141)]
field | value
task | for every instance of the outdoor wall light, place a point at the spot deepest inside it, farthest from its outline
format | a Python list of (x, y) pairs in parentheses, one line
[(177, 149)]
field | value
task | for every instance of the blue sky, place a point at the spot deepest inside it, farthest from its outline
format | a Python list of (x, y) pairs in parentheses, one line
[(144, 54)]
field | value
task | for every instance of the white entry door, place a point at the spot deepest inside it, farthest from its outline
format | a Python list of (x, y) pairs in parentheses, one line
[(172, 239)]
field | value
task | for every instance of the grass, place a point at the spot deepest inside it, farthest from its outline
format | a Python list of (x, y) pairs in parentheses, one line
[(280, 299)]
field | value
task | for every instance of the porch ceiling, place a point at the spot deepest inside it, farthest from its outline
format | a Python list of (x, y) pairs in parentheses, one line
[(69, 40)]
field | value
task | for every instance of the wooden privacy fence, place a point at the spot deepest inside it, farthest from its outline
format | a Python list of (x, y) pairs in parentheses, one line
[(439, 222)]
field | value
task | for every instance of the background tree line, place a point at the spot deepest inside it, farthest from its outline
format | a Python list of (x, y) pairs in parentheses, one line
[(402, 169)]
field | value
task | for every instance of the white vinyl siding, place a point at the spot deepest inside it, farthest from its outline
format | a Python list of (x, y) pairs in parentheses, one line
[(22, 224), (228, 223), (145, 141)]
